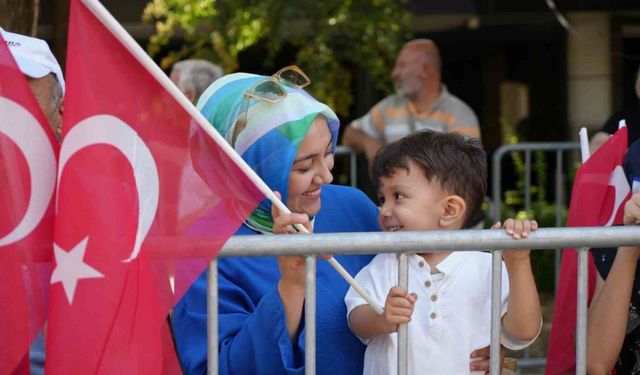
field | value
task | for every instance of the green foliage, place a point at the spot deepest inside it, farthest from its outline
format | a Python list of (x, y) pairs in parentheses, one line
[(330, 36)]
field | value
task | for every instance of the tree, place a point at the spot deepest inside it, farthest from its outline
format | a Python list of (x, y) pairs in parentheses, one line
[(331, 38)]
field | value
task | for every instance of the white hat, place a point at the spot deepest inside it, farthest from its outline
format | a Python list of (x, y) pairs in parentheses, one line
[(33, 56)]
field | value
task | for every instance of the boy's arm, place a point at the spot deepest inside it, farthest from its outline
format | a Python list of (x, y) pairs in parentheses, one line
[(522, 320), (398, 307), (367, 324), (609, 311)]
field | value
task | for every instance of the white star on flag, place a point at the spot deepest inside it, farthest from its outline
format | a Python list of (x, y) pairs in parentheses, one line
[(70, 268)]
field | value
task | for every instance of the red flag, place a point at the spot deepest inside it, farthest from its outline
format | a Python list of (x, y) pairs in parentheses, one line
[(28, 152), (599, 192), (145, 198)]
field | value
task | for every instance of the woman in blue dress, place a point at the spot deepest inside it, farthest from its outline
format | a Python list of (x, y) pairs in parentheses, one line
[(290, 142), (289, 139)]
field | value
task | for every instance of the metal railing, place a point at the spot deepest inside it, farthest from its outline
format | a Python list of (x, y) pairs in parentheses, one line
[(560, 176), (406, 242)]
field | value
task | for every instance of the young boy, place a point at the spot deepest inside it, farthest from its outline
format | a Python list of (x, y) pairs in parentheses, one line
[(436, 181)]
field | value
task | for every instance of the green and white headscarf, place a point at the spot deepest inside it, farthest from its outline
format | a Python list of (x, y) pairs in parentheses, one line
[(272, 136)]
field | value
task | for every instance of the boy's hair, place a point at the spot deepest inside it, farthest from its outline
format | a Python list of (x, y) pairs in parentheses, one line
[(459, 163)]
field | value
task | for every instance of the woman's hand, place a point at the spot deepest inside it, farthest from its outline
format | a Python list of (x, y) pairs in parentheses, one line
[(481, 359), (292, 278), (291, 267), (632, 210)]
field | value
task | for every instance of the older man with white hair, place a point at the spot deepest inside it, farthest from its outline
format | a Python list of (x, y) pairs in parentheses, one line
[(422, 102), (43, 73), (194, 76)]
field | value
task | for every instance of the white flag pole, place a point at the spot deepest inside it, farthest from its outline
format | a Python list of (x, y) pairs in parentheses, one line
[(622, 123), (584, 144), (132, 46)]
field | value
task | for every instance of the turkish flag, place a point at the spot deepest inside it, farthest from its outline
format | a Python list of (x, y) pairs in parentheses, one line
[(145, 200), (28, 153), (597, 199), (28, 158)]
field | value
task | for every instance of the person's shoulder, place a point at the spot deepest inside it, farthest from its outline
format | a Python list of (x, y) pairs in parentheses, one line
[(454, 103), (385, 259), (481, 260), (383, 264), (345, 209), (392, 101)]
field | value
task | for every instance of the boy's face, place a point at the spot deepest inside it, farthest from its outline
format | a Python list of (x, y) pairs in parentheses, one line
[(410, 202)]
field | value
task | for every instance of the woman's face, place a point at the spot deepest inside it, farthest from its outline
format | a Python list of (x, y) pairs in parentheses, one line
[(311, 169)]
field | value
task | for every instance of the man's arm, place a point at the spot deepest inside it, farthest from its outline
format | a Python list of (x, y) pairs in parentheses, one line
[(359, 141)]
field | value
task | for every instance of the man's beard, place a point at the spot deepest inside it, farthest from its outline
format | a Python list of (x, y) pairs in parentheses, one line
[(406, 92)]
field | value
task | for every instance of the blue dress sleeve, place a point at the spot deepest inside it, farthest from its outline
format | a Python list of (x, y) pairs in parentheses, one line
[(252, 333)]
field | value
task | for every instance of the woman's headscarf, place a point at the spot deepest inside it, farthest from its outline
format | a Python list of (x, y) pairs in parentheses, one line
[(273, 132)]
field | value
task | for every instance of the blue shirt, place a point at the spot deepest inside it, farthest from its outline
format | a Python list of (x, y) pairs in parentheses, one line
[(253, 337)]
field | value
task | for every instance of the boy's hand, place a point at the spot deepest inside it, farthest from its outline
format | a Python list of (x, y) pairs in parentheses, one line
[(632, 210), (517, 229), (398, 307)]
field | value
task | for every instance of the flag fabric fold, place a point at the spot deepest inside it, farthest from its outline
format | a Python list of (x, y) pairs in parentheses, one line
[(145, 200), (28, 152), (597, 199)]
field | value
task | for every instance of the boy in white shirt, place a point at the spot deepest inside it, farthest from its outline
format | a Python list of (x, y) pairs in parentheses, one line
[(436, 181)]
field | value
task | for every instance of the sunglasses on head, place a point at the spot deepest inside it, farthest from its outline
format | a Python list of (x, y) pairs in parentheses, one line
[(270, 90)]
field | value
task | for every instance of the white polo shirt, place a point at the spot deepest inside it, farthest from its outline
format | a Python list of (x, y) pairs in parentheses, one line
[(452, 316)]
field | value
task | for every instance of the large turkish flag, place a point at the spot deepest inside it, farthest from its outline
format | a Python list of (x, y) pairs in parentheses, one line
[(145, 200), (597, 198), (28, 152)]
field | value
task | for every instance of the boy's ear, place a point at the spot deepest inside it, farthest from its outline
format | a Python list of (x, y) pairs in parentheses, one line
[(453, 211)]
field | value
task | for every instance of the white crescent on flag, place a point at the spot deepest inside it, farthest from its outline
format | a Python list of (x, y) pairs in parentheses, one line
[(26, 132), (110, 130), (621, 187)]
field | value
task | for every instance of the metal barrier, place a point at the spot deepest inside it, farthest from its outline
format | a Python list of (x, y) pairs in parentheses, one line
[(560, 149), (353, 163), (403, 242)]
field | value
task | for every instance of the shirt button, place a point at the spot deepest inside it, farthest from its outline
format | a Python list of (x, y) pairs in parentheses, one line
[(421, 264), (427, 283), (434, 297), (432, 315)]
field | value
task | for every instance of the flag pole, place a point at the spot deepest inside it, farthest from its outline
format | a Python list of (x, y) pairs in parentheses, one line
[(143, 58), (584, 144)]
